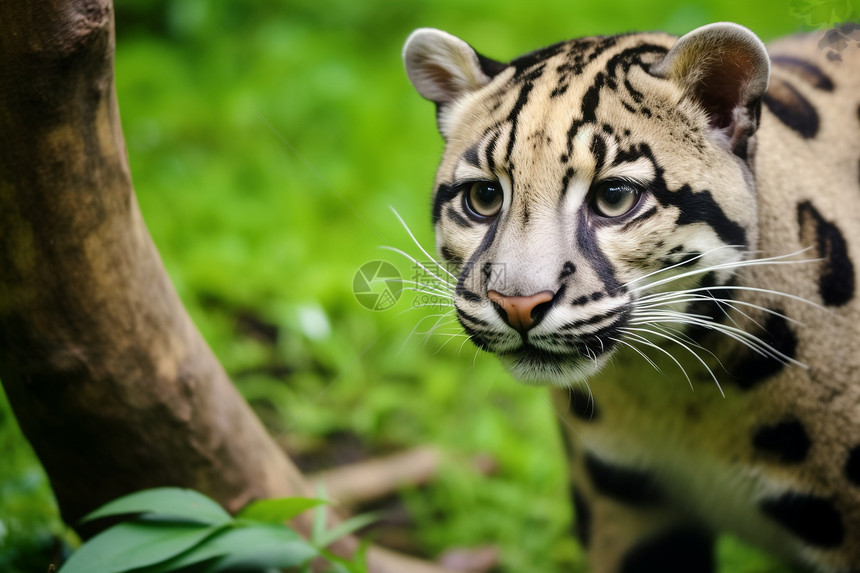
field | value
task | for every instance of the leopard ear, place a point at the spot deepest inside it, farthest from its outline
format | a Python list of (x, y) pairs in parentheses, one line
[(725, 68), (443, 67)]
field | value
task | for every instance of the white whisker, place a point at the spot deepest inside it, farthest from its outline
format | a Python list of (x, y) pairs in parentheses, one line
[(685, 296), (405, 226), (679, 264), (775, 260), (749, 340), (637, 351), (688, 349), (663, 350), (419, 264)]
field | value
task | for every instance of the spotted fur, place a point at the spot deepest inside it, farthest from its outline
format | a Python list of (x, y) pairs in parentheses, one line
[(723, 293)]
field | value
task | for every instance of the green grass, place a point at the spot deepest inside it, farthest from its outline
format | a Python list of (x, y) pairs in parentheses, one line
[(267, 142)]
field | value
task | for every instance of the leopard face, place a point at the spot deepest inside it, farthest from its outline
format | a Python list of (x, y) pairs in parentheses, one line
[(581, 180)]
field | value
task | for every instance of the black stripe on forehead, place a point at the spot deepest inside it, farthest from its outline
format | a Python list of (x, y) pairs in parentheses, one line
[(490, 150), (598, 150), (624, 59), (513, 117), (526, 61)]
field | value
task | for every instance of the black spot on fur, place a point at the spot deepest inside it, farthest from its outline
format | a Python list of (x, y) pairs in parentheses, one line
[(836, 271), (471, 156), (683, 549), (787, 440), (449, 255), (791, 108), (755, 368), (814, 520), (622, 484), (559, 90), (810, 73), (697, 207), (581, 517), (566, 270), (582, 406), (852, 466)]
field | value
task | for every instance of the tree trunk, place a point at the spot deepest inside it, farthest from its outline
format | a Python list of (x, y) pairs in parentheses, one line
[(110, 381)]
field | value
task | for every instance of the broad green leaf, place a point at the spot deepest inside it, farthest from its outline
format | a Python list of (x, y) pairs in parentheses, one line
[(137, 543), (277, 511), (252, 546), (345, 528), (169, 501)]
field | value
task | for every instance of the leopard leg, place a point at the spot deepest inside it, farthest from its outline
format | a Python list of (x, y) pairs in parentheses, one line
[(625, 524)]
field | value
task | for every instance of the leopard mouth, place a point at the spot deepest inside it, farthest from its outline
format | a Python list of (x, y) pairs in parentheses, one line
[(566, 354), (533, 365)]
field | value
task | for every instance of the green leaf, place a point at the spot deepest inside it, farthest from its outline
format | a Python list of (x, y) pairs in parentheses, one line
[(169, 501), (136, 544), (277, 511), (320, 518), (345, 528), (247, 547), (341, 565)]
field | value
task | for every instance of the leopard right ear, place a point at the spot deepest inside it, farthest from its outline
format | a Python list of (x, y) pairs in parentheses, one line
[(443, 68), (725, 68)]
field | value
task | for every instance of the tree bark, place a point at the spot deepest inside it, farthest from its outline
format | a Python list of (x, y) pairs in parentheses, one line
[(108, 377)]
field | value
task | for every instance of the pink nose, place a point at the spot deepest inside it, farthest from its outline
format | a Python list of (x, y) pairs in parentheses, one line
[(519, 309)]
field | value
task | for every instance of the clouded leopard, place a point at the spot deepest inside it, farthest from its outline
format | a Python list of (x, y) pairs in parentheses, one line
[(665, 229)]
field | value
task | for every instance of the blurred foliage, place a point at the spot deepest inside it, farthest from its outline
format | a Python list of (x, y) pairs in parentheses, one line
[(267, 142)]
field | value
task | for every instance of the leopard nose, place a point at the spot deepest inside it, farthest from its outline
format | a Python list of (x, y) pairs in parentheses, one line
[(522, 312)]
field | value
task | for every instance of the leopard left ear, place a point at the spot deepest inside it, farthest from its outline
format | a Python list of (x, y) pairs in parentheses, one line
[(725, 68)]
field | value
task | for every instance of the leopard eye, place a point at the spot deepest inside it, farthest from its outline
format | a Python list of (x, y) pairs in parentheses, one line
[(615, 198), (484, 199)]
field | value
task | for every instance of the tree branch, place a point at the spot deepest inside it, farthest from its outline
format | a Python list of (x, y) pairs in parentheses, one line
[(109, 379)]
